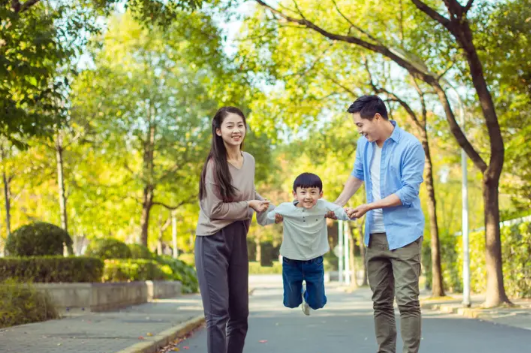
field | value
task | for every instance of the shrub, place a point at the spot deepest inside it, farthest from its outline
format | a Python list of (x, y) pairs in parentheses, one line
[(140, 252), (188, 259), (50, 269), (21, 303), (256, 269), (135, 270), (181, 272), (38, 239), (516, 247), (108, 248)]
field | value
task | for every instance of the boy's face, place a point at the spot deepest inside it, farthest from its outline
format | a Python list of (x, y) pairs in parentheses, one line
[(307, 197)]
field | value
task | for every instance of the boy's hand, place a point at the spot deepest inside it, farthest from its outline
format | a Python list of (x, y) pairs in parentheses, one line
[(331, 215), (278, 218)]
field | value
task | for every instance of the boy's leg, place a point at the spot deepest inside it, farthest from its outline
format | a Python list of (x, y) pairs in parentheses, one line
[(292, 279), (313, 272)]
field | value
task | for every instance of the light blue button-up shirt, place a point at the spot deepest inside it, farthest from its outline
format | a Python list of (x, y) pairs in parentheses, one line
[(401, 173)]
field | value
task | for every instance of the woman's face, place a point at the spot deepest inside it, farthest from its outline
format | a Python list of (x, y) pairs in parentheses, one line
[(232, 130)]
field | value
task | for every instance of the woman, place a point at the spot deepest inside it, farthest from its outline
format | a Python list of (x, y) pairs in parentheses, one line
[(227, 199)]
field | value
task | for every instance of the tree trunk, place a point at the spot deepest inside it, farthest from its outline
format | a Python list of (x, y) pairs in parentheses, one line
[(7, 192), (175, 252), (437, 286), (495, 287), (147, 203), (361, 236), (352, 257)]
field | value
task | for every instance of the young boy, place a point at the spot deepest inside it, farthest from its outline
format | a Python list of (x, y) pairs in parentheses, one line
[(305, 241)]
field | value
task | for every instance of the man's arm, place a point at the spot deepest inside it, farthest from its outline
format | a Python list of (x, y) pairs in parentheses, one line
[(351, 186), (413, 170)]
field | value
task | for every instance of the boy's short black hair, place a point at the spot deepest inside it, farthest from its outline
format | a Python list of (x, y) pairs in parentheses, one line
[(308, 180), (368, 106)]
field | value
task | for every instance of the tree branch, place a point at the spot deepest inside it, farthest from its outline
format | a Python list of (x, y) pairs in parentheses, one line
[(28, 4), (433, 14), (353, 25), (172, 208), (468, 6)]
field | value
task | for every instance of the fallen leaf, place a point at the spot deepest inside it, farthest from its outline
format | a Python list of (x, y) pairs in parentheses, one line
[(262, 341), (186, 347), (140, 337), (149, 334)]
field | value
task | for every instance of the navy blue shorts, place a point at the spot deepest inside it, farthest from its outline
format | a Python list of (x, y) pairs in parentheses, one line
[(296, 271)]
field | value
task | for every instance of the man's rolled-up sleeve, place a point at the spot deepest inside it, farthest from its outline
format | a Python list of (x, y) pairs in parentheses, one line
[(357, 172)]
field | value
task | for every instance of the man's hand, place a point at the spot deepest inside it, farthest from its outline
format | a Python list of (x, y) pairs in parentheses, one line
[(331, 215), (358, 212), (278, 218)]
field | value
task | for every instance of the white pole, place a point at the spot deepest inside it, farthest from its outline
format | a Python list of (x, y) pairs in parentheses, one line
[(340, 244), (346, 238), (464, 208), (464, 219), (174, 235)]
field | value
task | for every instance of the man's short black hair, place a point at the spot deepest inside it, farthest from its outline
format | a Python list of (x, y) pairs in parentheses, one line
[(368, 106), (307, 180)]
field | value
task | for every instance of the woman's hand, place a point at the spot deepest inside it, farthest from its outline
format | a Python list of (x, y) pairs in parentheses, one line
[(259, 206)]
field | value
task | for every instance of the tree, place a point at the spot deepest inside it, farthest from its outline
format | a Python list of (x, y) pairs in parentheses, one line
[(458, 29), (151, 94)]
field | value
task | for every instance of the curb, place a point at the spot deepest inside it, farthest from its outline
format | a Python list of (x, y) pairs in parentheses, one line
[(153, 344)]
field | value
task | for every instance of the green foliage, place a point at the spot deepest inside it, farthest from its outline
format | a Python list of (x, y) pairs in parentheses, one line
[(135, 270), (140, 252), (52, 269), (21, 303), (516, 247), (108, 248), (38, 239), (256, 269), (182, 272), (188, 259)]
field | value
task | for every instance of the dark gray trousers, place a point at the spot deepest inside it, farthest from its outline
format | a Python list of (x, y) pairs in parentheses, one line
[(223, 273)]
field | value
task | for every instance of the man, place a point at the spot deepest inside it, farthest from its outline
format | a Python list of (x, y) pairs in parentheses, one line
[(391, 163)]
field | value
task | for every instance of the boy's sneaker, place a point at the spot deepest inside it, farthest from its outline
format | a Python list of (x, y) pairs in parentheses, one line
[(305, 307)]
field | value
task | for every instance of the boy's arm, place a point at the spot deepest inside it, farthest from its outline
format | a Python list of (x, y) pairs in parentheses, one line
[(339, 212)]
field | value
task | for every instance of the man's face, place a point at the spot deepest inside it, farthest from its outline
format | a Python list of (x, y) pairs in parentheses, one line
[(307, 197), (371, 129)]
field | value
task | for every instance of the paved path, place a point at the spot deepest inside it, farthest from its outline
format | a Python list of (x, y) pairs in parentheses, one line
[(346, 325), (107, 332)]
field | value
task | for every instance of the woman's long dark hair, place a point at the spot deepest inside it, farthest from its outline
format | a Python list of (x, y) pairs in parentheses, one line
[(218, 155)]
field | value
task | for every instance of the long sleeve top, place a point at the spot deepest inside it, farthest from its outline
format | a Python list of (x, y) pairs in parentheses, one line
[(305, 235)]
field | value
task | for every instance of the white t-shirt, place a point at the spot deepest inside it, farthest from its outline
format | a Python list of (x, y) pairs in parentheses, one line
[(377, 225)]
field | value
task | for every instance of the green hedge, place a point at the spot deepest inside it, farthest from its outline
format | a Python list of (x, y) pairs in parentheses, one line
[(38, 239), (140, 252), (108, 248), (21, 304), (256, 269), (48, 269), (181, 272), (130, 270), (516, 250)]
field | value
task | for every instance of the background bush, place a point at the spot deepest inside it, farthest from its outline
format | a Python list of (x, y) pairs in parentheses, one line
[(188, 259), (182, 272), (49, 269), (108, 248), (140, 252), (21, 303), (516, 250), (135, 270), (38, 239), (256, 269)]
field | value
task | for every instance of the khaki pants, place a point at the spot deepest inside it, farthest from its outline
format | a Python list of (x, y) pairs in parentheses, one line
[(395, 273)]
